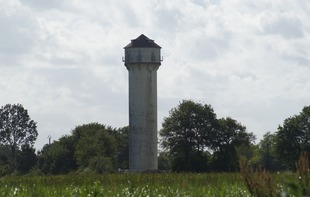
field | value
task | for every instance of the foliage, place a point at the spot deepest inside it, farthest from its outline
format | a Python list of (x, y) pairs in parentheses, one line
[(126, 184), (192, 131), (187, 134), (90, 147), (58, 157), (230, 136), (293, 137), (250, 153), (4, 154), (95, 142), (303, 172), (101, 164), (259, 183), (26, 159), (5, 157), (121, 136), (161, 184), (17, 130), (262, 183), (268, 154), (163, 161)]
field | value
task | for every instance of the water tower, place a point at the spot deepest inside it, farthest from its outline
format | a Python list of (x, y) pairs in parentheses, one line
[(142, 60)]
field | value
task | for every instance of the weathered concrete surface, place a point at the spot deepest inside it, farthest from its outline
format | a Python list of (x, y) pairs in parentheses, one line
[(142, 61)]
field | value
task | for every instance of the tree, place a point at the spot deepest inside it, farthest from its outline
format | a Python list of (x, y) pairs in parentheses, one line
[(268, 156), (229, 136), (26, 159), (4, 160), (293, 138), (16, 129), (121, 136), (96, 147), (186, 135), (192, 131), (58, 157), (163, 161)]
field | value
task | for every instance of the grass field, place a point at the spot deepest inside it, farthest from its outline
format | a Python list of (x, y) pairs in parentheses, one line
[(125, 184)]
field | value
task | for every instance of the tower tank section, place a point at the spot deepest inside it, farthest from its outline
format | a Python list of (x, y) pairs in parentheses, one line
[(142, 60)]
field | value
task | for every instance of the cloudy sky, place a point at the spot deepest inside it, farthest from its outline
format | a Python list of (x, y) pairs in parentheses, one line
[(62, 59)]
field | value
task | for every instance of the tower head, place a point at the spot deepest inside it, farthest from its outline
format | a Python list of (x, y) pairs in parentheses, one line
[(142, 50)]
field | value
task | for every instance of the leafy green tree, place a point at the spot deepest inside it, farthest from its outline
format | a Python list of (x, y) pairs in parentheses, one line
[(26, 159), (58, 157), (163, 161), (16, 129), (92, 146), (121, 136), (5, 155), (249, 153), (187, 134), (96, 147), (225, 143), (293, 137), (267, 152)]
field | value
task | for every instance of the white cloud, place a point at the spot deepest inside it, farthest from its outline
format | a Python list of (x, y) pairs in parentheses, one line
[(42, 5), (287, 25), (16, 35), (62, 59)]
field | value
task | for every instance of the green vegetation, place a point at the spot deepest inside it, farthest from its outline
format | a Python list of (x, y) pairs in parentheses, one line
[(90, 147), (193, 139), (257, 183), (125, 184), (17, 136), (292, 138), (260, 182), (196, 141)]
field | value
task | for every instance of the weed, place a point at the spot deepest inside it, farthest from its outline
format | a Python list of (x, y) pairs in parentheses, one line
[(126, 184), (302, 169), (259, 182)]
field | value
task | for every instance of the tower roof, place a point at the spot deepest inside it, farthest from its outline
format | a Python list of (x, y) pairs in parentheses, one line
[(142, 41)]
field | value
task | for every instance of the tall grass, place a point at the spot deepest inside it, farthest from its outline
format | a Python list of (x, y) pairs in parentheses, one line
[(125, 184), (261, 183)]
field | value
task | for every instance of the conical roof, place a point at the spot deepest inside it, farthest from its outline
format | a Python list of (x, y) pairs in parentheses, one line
[(142, 41)]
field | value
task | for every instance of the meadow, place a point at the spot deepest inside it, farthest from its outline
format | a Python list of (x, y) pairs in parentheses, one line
[(125, 184)]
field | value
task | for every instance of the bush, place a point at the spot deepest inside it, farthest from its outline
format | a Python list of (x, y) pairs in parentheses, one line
[(261, 183), (5, 170), (101, 164)]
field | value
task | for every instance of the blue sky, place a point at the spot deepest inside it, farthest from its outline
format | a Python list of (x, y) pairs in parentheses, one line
[(62, 59)]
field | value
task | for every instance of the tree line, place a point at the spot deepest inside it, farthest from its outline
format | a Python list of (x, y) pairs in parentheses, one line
[(192, 139)]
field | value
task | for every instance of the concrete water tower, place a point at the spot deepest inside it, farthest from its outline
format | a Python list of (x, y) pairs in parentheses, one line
[(142, 59)]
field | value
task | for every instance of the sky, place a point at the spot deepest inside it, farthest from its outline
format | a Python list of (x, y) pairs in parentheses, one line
[(62, 59)]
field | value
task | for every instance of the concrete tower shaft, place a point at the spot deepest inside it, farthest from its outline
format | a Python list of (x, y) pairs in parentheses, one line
[(142, 60)]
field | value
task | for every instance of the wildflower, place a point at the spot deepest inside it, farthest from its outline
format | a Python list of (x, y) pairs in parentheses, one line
[(15, 191)]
